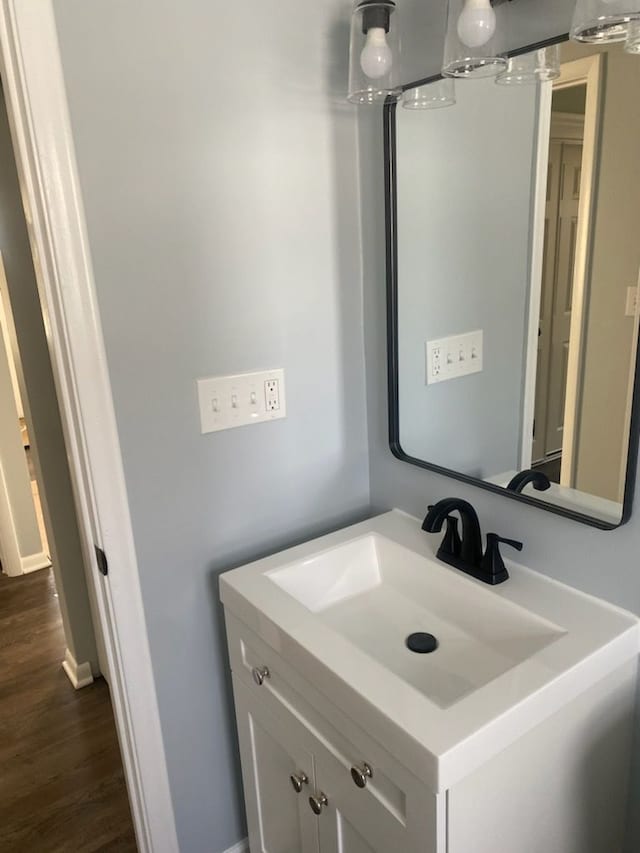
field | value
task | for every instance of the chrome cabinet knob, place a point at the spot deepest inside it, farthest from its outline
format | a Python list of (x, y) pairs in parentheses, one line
[(259, 674), (318, 802), (298, 780), (361, 774)]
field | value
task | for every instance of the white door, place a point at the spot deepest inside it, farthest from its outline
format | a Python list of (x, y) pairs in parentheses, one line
[(561, 223), (273, 759), (568, 202)]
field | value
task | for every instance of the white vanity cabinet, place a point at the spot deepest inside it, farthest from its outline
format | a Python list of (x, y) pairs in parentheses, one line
[(514, 737), (561, 788), (291, 755), (281, 778), (273, 760)]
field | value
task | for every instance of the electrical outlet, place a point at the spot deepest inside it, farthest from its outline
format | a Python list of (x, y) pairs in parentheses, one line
[(631, 308), (272, 395), (449, 358), (436, 361), (247, 398)]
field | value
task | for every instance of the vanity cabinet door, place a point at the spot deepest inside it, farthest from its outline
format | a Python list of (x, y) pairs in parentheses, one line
[(273, 758), (365, 820)]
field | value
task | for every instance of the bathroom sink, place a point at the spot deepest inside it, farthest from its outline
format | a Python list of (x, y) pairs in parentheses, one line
[(498, 660), (375, 593)]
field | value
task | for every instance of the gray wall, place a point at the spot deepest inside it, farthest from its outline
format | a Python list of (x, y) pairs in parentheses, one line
[(609, 334), (464, 222), (218, 164), (14, 471), (603, 564), (42, 413), (4, 324)]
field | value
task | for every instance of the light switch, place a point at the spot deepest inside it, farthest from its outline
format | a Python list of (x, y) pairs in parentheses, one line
[(450, 358), (246, 398)]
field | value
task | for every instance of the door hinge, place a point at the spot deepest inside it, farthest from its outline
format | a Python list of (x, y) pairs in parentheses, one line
[(101, 557)]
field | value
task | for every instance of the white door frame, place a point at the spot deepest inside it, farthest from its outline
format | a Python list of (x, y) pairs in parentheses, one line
[(536, 273), (9, 550), (587, 71), (557, 127), (36, 102)]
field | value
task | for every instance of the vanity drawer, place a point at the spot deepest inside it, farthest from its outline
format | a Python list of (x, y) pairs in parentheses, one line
[(390, 803)]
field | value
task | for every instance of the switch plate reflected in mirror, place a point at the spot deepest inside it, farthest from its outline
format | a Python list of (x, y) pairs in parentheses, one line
[(515, 212)]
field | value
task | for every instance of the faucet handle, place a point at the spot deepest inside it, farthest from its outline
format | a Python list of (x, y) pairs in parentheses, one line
[(501, 540), (492, 563)]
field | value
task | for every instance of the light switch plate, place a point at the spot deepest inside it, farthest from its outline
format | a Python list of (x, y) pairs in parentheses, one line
[(631, 306), (245, 398), (450, 358)]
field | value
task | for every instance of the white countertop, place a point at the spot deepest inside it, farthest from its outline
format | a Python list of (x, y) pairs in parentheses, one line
[(439, 744), (567, 498)]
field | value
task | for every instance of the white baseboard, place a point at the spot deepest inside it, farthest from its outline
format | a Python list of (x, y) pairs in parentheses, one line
[(35, 562), (79, 673), (240, 847)]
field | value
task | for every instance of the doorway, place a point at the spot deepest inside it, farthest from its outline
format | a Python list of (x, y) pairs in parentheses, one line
[(560, 246), (566, 225), (62, 785), (24, 545)]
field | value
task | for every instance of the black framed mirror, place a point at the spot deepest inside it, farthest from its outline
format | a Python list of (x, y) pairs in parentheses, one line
[(512, 280)]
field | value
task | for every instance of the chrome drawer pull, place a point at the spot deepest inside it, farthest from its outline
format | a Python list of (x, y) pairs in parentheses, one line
[(318, 802), (361, 774), (298, 781), (259, 674)]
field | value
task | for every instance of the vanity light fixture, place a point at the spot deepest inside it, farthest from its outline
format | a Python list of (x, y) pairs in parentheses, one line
[(539, 66), (374, 52), (432, 96), (474, 42), (603, 21), (477, 23)]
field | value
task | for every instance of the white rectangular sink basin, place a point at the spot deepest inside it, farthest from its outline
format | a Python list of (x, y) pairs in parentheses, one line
[(340, 608), (375, 593)]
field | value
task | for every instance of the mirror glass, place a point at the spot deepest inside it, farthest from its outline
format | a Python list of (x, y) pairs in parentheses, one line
[(516, 287)]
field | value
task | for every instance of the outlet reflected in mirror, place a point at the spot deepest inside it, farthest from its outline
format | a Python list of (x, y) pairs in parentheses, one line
[(517, 214)]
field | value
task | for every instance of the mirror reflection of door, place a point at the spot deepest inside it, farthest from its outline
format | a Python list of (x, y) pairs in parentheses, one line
[(530, 235), (560, 245)]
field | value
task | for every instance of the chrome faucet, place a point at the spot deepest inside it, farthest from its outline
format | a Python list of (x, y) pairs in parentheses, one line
[(465, 553)]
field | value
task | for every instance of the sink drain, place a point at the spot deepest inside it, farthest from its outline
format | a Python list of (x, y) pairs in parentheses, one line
[(421, 643)]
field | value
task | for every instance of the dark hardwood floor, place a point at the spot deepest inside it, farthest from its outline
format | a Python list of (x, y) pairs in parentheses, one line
[(61, 781)]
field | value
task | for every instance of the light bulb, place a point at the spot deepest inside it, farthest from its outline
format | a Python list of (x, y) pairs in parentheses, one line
[(376, 58), (477, 23)]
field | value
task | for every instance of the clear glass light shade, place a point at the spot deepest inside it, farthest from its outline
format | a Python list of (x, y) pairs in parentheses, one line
[(540, 66), (603, 21), (374, 52), (432, 96), (632, 45), (475, 40)]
